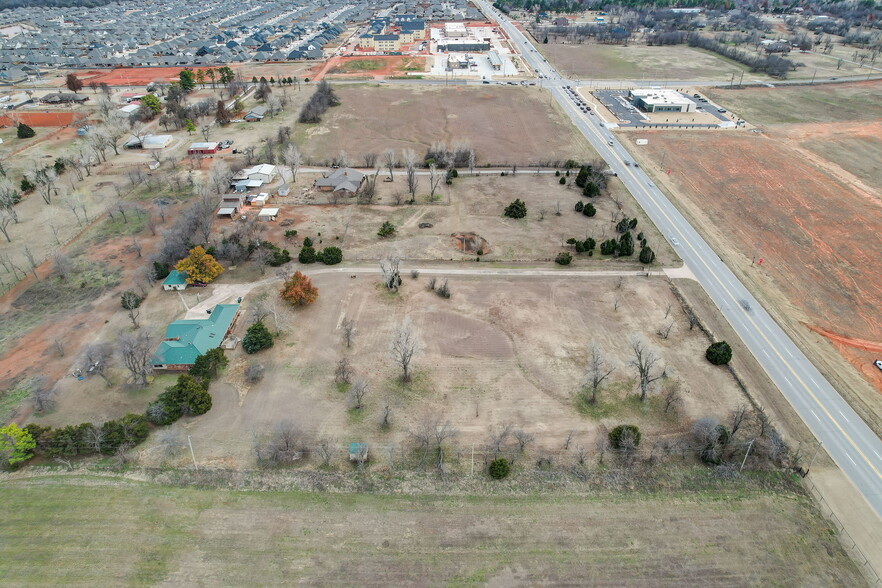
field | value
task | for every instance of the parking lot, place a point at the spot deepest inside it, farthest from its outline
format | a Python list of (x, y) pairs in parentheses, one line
[(616, 101)]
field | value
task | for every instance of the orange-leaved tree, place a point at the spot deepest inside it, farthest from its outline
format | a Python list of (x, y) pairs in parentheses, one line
[(298, 290), (199, 266)]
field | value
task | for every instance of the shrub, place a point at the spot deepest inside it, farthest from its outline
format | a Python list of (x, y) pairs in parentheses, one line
[(254, 373), (331, 255), (257, 337), (208, 364), (516, 209), (290, 233), (647, 255), (23, 131), (306, 255), (386, 229), (591, 190), (443, 290), (626, 245), (579, 206), (26, 185), (623, 225), (161, 270), (589, 244), (557, 172), (719, 353), (307, 242), (589, 210), (580, 247), (563, 258), (609, 247), (499, 468), (582, 177), (622, 432), (562, 181)]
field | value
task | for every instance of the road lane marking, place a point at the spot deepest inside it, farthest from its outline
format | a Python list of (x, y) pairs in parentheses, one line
[(816, 415), (845, 417), (849, 457), (757, 330)]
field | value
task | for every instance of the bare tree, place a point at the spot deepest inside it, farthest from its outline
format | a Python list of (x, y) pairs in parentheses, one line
[(404, 346), (96, 360), (42, 395), (254, 373), (386, 421), (672, 397), (347, 330), (32, 261), (292, 158), (596, 372), (136, 351), (7, 216), (389, 161), (523, 438), (326, 450), (409, 157), (370, 159), (739, 416), (644, 361), (343, 372), (499, 437), (357, 393), (94, 438), (131, 302), (569, 440), (664, 331), (391, 274), (434, 180), (259, 309)]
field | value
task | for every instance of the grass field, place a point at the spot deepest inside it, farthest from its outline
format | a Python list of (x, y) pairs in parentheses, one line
[(108, 530), (828, 103), (858, 154), (526, 127), (612, 62)]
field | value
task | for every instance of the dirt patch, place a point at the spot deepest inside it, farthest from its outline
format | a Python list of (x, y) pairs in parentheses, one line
[(470, 243), (41, 119), (810, 229), (374, 66)]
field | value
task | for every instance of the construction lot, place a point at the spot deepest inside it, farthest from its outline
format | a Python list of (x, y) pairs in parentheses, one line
[(808, 219)]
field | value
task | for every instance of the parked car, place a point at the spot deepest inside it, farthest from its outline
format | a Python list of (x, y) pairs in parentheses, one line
[(878, 363)]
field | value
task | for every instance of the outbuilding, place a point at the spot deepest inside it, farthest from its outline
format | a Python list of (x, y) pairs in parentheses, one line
[(175, 281), (202, 148), (268, 214), (156, 141)]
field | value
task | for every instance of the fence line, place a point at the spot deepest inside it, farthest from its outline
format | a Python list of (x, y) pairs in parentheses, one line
[(845, 538)]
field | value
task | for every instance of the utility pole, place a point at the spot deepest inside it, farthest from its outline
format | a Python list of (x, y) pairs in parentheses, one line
[(743, 461), (193, 455)]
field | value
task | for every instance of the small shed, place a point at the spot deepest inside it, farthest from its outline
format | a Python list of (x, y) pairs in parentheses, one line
[(175, 281), (209, 148), (258, 200), (284, 190), (268, 214), (226, 211), (358, 452)]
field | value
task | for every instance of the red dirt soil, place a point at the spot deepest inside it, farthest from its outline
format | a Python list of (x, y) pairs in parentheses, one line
[(133, 76), (40, 119), (392, 65), (818, 237)]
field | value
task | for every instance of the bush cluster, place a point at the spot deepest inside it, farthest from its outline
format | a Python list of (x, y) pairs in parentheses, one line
[(187, 397), (89, 439), (719, 353), (328, 255), (620, 432), (322, 99)]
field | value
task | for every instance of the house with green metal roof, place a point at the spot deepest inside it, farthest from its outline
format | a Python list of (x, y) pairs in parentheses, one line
[(175, 281), (187, 339)]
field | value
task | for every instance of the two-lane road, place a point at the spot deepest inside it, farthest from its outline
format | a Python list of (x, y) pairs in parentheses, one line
[(845, 436)]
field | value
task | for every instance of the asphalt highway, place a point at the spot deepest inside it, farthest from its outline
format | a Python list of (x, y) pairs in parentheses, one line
[(844, 435)]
